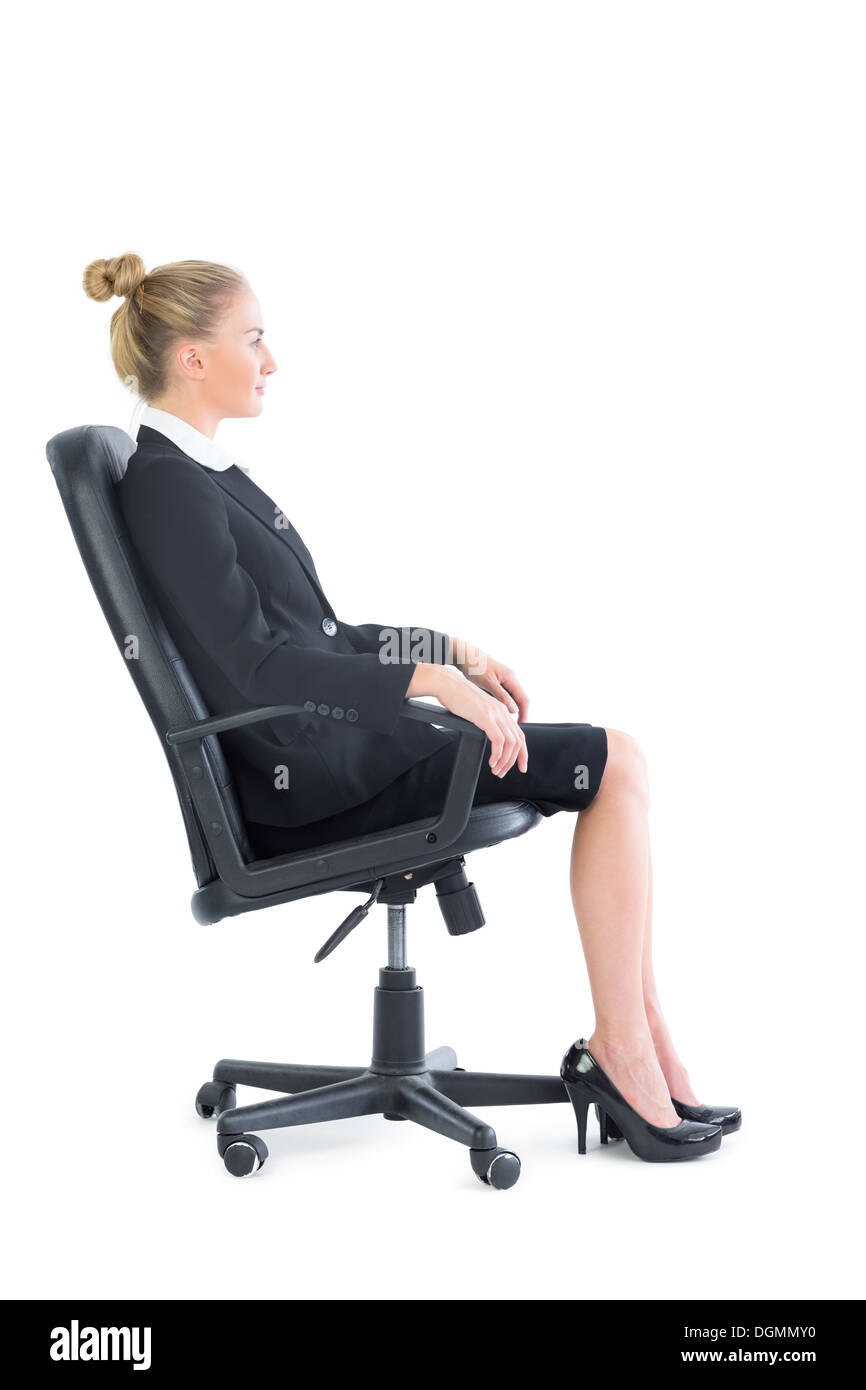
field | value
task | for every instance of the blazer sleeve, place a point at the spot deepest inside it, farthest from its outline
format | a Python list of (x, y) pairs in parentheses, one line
[(437, 646), (178, 523)]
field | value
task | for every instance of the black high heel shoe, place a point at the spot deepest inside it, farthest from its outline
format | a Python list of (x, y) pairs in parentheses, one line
[(727, 1117), (586, 1083)]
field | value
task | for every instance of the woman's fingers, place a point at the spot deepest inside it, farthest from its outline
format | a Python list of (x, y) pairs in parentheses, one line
[(502, 694), (523, 755), (497, 741), (496, 734), (515, 689), (507, 742), (508, 745)]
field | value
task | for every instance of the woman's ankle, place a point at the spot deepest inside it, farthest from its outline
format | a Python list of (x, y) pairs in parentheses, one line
[(629, 1059), (626, 1041), (656, 1024), (675, 1074)]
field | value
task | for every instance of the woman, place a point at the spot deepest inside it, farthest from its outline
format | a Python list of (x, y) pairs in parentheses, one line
[(247, 614)]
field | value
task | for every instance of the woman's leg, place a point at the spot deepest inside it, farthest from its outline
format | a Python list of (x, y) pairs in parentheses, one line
[(610, 878), (674, 1072)]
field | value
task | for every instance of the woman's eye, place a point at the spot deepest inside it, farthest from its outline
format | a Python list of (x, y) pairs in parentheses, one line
[(256, 342)]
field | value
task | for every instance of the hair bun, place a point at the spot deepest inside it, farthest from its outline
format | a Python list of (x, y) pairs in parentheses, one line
[(121, 275)]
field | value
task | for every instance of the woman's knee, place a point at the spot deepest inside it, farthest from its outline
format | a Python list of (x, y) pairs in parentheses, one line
[(625, 772)]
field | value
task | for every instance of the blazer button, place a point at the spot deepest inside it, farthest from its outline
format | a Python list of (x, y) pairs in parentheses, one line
[(309, 704), (337, 712), (324, 709), (351, 715), (329, 626)]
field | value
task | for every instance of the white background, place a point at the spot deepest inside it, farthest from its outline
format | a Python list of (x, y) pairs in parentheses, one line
[(568, 307)]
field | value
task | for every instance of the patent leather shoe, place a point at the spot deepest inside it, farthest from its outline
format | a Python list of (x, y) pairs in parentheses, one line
[(727, 1117), (587, 1084)]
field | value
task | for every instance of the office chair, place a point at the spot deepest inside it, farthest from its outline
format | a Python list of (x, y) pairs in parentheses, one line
[(402, 1080)]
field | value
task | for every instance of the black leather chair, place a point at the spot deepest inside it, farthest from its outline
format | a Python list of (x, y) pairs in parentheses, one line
[(402, 1081)]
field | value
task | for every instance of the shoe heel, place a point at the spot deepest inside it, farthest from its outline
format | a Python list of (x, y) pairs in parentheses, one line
[(608, 1128), (581, 1105)]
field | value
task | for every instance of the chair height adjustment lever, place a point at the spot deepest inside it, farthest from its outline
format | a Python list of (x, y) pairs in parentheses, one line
[(351, 922)]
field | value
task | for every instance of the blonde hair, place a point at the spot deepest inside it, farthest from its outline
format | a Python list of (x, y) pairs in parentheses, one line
[(185, 299)]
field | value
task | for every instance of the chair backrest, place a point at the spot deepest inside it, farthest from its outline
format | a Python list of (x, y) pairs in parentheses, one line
[(87, 462)]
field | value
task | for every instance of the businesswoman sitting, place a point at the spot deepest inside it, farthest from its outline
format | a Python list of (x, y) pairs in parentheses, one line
[(242, 599)]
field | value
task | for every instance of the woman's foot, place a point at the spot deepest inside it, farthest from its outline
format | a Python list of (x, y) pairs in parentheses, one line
[(633, 1066)]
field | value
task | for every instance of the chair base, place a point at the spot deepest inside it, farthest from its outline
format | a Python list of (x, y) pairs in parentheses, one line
[(402, 1082)]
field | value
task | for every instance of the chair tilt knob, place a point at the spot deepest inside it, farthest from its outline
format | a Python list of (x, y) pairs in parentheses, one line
[(459, 903)]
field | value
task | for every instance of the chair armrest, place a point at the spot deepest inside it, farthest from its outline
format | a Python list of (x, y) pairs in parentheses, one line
[(218, 723), (392, 846)]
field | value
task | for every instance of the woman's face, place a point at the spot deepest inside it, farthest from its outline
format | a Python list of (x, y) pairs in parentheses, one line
[(231, 371)]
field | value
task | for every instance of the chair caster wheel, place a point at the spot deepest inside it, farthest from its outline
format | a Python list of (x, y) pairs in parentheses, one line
[(242, 1154), (214, 1097), (497, 1167)]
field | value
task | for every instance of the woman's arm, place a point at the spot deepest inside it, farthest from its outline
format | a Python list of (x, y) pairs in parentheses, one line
[(430, 645), (492, 675), (486, 671), (178, 523), (467, 699)]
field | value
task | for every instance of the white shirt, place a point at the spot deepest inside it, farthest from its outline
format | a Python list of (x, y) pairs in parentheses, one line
[(188, 438)]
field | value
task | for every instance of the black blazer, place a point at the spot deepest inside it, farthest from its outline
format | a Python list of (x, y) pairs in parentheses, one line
[(239, 593)]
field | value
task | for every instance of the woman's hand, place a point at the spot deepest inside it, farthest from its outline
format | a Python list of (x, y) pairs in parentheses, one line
[(491, 675), (464, 698)]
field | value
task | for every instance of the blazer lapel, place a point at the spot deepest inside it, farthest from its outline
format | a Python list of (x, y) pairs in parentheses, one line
[(245, 492)]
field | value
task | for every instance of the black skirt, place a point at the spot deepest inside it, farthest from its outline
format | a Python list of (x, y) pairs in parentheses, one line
[(566, 765)]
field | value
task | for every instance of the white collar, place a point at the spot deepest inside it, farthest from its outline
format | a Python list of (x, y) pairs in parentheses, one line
[(187, 438)]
